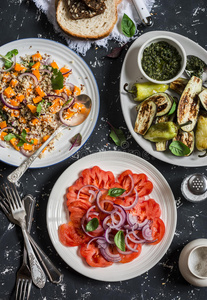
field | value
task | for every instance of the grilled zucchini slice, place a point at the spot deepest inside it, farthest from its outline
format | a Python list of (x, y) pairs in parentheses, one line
[(145, 116), (203, 98), (188, 106), (187, 138)]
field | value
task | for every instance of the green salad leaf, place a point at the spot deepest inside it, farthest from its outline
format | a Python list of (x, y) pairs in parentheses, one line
[(173, 108), (127, 26), (119, 240), (179, 149), (57, 79), (116, 192), (8, 58), (92, 224)]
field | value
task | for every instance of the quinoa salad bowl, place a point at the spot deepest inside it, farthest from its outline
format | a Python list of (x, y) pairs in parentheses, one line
[(39, 79)]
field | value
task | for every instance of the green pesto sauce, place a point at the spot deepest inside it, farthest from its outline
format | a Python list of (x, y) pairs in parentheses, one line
[(195, 66), (161, 61)]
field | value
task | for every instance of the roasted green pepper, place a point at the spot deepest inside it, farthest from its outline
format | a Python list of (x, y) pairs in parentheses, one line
[(162, 132), (141, 91)]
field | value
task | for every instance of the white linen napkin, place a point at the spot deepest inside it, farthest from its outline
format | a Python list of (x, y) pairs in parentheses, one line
[(80, 46)]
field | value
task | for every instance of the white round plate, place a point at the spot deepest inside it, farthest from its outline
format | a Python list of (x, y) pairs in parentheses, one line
[(130, 74), (116, 162), (81, 74)]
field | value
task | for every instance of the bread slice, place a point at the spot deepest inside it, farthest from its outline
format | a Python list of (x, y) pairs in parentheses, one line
[(97, 27)]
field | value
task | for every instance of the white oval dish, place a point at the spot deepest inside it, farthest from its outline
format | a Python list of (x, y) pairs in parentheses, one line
[(171, 41), (116, 162), (131, 74), (81, 75), (183, 263)]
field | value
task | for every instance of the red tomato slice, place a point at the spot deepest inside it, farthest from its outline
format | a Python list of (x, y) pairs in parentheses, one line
[(98, 177), (93, 256), (158, 230), (149, 209), (71, 236)]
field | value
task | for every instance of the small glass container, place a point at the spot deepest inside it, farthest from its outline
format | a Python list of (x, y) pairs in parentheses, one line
[(194, 187)]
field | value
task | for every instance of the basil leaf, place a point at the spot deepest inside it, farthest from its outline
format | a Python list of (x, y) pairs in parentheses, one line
[(24, 133), (39, 108), (117, 135), (115, 192), (92, 224), (8, 62), (127, 26), (9, 136), (173, 108), (21, 143), (179, 149), (119, 240), (57, 80), (76, 141)]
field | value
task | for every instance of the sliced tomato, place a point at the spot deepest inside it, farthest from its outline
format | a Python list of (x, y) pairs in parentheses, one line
[(158, 230), (149, 209), (98, 177), (72, 236), (125, 258), (93, 257)]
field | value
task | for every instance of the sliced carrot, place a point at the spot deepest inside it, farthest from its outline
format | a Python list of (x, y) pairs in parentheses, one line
[(36, 73), (58, 91), (35, 141), (29, 91), (28, 147), (37, 99), (54, 65), (27, 129), (14, 102), (36, 66), (67, 91), (46, 137), (19, 67), (32, 108), (19, 97), (37, 57), (3, 124), (14, 143), (68, 114), (3, 134), (22, 120), (15, 113), (35, 121), (39, 91), (56, 106), (9, 92), (65, 70), (13, 83), (76, 90)]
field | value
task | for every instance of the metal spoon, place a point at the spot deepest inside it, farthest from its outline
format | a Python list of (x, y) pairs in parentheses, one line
[(76, 120), (190, 73)]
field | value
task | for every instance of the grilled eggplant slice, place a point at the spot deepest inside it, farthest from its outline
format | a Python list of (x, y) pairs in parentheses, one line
[(179, 85), (145, 116), (201, 132), (163, 101), (188, 106), (203, 98), (187, 138)]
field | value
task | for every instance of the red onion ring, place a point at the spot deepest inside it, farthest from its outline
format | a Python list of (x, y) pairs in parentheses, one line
[(25, 152), (137, 241), (67, 72), (93, 239), (129, 247), (83, 227), (89, 211), (65, 122), (7, 104), (31, 75), (104, 201), (14, 62), (107, 236), (147, 233), (109, 256), (133, 204), (86, 186)]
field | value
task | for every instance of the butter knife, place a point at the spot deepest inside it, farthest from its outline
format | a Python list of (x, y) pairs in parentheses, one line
[(143, 12)]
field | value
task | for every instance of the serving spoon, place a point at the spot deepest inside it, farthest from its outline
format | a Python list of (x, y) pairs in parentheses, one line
[(203, 74), (76, 120)]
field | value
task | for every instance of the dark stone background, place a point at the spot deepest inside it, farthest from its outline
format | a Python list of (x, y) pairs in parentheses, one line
[(23, 20)]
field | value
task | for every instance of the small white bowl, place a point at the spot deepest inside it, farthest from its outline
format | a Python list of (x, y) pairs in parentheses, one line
[(197, 261), (170, 41)]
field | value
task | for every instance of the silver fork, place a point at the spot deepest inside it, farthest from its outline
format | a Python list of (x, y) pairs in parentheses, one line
[(53, 273), (18, 213), (24, 278)]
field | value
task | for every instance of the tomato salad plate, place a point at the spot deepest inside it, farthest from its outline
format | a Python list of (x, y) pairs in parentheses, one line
[(131, 74), (36, 91), (113, 163)]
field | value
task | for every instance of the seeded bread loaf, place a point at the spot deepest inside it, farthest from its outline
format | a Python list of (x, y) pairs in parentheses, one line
[(97, 27)]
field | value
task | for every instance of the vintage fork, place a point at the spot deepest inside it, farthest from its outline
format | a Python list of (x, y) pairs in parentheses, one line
[(24, 278), (18, 213), (53, 273)]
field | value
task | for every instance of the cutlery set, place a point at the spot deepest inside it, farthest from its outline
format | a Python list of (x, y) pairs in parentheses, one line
[(20, 212)]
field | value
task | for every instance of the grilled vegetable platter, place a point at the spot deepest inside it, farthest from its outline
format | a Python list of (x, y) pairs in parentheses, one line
[(168, 121)]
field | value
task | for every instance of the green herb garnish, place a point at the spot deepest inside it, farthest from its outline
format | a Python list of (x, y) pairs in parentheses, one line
[(127, 26), (117, 135), (179, 149), (57, 79), (9, 136), (39, 108), (22, 138), (116, 192), (173, 108), (92, 224), (8, 58), (119, 240)]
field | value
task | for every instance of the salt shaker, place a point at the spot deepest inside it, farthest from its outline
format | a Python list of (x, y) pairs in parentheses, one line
[(194, 187)]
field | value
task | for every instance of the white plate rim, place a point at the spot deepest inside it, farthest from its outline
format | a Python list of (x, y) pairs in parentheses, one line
[(55, 215), (40, 163), (190, 161)]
